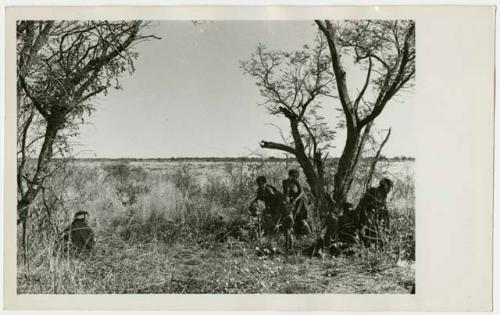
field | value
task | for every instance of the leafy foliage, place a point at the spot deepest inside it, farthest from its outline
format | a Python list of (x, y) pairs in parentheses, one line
[(379, 46), (295, 80), (62, 66)]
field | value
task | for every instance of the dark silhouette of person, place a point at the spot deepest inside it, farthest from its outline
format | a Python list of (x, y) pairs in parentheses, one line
[(273, 201), (79, 232), (341, 230), (294, 195), (372, 212), (348, 223)]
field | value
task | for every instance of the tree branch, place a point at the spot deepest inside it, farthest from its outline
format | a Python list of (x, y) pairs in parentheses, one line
[(24, 135), (387, 93), (97, 63), (35, 102), (277, 146), (365, 86), (288, 113), (376, 158), (340, 74)]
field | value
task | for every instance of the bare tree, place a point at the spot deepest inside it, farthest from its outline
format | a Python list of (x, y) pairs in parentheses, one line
[(386, 50), (291, 84), (61, 67)]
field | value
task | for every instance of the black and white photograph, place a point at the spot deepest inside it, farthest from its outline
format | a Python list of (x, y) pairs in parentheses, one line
[(216, 156)]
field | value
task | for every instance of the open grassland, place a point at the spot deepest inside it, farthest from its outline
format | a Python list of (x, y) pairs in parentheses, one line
[(168, 227)]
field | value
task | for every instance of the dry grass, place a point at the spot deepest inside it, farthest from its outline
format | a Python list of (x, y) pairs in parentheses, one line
[(157, 226), (233, 267)]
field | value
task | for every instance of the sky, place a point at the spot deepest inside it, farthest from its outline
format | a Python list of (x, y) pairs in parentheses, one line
[(189, 98)]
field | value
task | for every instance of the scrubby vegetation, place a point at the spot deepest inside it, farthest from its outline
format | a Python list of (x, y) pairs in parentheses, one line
[(179, 227)]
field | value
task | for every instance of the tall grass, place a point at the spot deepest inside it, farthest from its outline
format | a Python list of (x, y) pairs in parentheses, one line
[(137, 213)]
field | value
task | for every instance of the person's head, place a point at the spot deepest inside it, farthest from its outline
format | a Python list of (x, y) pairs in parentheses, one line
[(386, 185), (261, 181), (81, 215), (293, 173)]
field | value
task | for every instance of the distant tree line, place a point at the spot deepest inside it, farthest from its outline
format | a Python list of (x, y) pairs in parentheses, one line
[(228, 159)]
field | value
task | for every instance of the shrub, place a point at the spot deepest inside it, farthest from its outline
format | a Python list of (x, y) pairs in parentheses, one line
[(395, 244), (128, 181)]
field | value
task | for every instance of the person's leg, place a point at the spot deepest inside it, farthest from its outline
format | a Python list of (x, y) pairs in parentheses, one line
[(268, 224), (331, 229), (288, 224), (289, 239)]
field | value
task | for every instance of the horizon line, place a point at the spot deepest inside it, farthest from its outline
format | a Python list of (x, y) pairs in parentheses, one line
[(219, 157)]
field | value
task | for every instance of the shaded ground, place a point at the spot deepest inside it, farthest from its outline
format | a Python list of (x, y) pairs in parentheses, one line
[(231, 267)]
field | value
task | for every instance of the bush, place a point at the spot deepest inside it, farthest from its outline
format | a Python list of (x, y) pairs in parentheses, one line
[(393, 245), (129, 182)]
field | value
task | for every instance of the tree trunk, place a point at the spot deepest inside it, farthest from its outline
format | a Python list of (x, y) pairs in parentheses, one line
[(315, 182), (22, 163), (347, 161), (312, 167), (313, 170), (346, 171), (35, 184)]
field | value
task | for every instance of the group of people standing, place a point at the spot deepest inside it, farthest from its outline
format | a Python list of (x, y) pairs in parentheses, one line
[(287, 211), (284, 211)]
